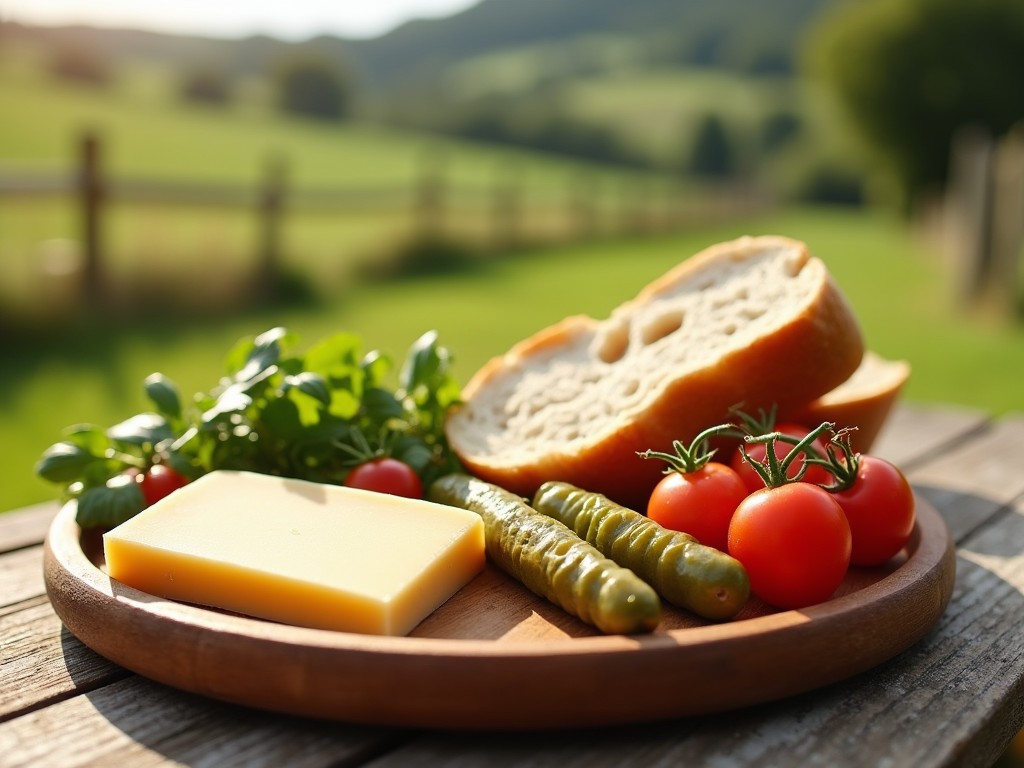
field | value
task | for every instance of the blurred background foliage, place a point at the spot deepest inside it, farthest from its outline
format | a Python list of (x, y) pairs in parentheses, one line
[(491, 172)]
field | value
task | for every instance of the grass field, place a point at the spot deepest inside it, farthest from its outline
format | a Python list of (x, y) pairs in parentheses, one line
[(148, 134), (901, 295), (896, 284)]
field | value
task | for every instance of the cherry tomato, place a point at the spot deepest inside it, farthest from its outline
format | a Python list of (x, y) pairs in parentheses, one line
[(880, 509), (700, 503), (386, 475), (815, 474), (159, 481), (794, 542)]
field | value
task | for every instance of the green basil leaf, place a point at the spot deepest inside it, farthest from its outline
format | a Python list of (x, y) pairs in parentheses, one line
[(163, 393), (64, 462), (422, 362), (89, 437), (344, 404), (142, 429), (181, 464), (265, 352), (109, 505), (282, 417), (334, 356), (310, 408), (234, 399), (415, 453), (381, 406), (376, 367), (310, 384)]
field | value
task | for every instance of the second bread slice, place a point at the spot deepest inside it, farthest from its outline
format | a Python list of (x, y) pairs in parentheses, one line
[(753, 322)]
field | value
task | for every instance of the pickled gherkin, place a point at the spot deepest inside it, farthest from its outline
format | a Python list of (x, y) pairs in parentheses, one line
[(684, 572), (551, 560)]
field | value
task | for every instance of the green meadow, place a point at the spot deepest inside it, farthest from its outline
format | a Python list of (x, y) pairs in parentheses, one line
[(895, 279), (149, 136), (903, 297)]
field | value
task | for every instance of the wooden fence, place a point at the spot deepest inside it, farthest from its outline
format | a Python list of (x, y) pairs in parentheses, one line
[(430, 200), (983, 219)]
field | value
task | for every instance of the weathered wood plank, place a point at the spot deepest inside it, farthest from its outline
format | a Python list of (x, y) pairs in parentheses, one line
[(970, 481), (957, 697), (914, 431), (25, 527), (42, 662), (21, 575), (952, 699), (136, 722)]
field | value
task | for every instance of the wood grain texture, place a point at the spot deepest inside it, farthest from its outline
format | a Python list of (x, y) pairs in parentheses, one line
[(915, 433), (44, 663), (470, 667), (136, 722), (971, 480), (25, 527), (21, 575), (955, 698)]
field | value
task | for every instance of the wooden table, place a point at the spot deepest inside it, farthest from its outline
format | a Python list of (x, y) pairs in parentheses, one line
[(955, 698)]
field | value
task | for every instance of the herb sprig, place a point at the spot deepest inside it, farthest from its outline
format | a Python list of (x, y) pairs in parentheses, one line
[(311, 416)]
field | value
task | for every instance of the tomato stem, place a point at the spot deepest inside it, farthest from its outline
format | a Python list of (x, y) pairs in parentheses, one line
[(359, 448), (687, 459), (757, 425), (773, 470), (842, 461)]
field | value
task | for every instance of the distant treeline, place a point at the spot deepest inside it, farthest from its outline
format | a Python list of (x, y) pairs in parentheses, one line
[(742, 35)]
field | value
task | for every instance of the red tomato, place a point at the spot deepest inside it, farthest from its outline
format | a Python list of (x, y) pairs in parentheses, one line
[(386, 475), (159, 481), (794, 542), (815, 474), (699, 503), (880, 509)]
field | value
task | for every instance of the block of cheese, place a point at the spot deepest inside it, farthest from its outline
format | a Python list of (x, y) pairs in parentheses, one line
[(298, 552)]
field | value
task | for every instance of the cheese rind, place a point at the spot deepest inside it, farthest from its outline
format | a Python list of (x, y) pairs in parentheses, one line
[(300, 553)]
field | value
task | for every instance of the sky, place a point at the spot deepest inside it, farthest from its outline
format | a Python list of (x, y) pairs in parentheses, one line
[(284, 19)]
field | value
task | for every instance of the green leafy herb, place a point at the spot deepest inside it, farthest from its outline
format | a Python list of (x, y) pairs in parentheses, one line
[(312, 416)]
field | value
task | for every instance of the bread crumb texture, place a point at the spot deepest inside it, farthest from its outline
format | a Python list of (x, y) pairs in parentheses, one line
[(582, 380)]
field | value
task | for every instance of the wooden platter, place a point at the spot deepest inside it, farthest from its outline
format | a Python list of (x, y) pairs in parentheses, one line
[(497, 657)]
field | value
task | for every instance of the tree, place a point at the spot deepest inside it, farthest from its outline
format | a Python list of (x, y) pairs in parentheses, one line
[(779, 128), (313, 87), (206, 86), (82, 65), (911, 73), (712, 153)]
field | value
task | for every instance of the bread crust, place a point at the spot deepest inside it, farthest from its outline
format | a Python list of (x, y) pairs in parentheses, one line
[(864, 401), (809, 354)]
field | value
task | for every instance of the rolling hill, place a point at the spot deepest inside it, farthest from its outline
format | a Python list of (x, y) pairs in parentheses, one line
[(747, 35)]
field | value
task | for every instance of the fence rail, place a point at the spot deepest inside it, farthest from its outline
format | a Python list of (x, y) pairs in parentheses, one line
[(429, 201), (983, 218)]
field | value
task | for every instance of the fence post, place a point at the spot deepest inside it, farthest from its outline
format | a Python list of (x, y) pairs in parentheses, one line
[(635, 200), (430, 199), (91, 198), (970, 202), (1008, 219), (506, 206), (271, 210), (583, 192)]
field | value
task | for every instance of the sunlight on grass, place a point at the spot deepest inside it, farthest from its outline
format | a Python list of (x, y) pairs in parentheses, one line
[(893, 283)]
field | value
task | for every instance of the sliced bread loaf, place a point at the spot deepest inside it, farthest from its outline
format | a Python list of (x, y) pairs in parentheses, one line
[(864, 400), (755, 321)]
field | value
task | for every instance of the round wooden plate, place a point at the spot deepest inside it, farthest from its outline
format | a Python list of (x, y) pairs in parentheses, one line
[(497, 657)]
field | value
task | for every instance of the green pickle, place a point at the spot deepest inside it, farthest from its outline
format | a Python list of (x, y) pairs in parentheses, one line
[(551, 560), (684, 572)]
